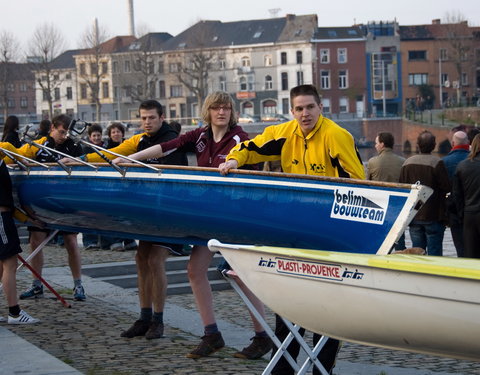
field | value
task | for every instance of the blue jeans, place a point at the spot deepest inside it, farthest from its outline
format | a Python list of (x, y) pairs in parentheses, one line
[(428, 235)]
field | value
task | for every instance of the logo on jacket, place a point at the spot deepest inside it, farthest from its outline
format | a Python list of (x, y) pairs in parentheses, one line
[(361, 205), (200, 146)]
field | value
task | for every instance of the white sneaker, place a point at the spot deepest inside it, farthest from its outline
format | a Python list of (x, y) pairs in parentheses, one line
[(22, 318), (2, 319)]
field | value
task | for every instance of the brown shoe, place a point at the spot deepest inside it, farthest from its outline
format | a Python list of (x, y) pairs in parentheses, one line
[(257, 349), (139, 328), (155, 331), (209, 344)]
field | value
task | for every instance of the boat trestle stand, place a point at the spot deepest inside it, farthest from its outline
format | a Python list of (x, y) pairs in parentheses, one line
[(282, 346)]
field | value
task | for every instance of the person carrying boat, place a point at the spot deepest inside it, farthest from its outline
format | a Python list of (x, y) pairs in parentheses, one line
[(57, 139), (211, 143), (9, 248), (309, 144), (151, 256)]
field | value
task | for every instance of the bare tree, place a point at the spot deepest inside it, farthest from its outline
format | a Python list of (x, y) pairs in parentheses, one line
[(9, 47), (194, 72), (460, 40), (94, 69), (46, 44)]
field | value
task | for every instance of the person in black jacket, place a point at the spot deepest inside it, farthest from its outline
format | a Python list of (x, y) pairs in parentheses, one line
[(10, 131), (466, 192), (9, 248)]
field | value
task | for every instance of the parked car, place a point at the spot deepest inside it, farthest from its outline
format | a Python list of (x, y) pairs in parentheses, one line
[(275, 117), (248, 119)]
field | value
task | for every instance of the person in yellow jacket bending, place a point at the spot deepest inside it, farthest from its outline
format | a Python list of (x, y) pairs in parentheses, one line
[(309, 144)]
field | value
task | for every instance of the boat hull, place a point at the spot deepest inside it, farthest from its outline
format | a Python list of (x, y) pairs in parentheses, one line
[(192, 205), (420, 304)]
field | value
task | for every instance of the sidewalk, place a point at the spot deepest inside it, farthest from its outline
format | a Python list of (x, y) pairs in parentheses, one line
[(85, 339)]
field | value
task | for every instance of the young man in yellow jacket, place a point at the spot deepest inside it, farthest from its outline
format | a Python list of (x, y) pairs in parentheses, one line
[(309, 144)]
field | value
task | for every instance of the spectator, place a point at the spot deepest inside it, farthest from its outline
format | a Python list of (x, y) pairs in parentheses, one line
[(10, 131), (466, 192), (44, 128), (428, 225), (458, 153), (386, 167)]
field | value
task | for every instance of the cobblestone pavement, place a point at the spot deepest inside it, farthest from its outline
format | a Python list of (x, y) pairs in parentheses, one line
[(87, 336)]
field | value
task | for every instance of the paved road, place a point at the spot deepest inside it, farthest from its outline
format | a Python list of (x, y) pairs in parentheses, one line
[(85, 339)]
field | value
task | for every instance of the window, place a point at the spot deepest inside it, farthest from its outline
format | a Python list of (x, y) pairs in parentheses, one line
[(174, 67), (443, 54), (160, 67), (23, 102), (83, 91), (325, 56), (93, 68), (22, 87), (417, 79), (342, 79), (223, 83), (104, 67), (417, 55), (251, 83), (115, 92), (343, 105), (243, 84), (126, 66), (45, 95), (68, 76), (69, 93), (176, 91), (284, 81), (299, 78), (161, 89), (151, 68), (268, 83), (283, 58), (11, 103), (299, 57), (464, 79), (105, 90), (11, 87), (444, 78), (245, 61), (285, 107), (222, 63), (115, 67), (325, 79), (267, 60), (57, 93), (151, 89), (342, 55), (326, 105), (56, 77)]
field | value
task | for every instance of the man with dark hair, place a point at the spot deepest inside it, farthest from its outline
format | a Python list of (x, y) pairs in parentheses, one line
[(386, 166), (459, 152), (151, 256), (428, 226), (57, 139), (310, 144)]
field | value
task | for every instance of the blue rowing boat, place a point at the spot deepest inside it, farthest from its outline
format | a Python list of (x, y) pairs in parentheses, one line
[(191, 205)]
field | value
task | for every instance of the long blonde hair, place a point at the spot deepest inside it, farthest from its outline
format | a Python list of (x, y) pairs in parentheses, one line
[(218, 98), (475, 147)]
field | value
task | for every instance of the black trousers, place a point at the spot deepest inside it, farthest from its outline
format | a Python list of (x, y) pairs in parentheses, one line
[(327, 355), (471, 234)]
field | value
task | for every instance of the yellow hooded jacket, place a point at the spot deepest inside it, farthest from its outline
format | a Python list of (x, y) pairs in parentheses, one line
[(328, 150)]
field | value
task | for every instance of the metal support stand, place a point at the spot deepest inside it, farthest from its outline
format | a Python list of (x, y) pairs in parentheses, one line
[(282, 346)]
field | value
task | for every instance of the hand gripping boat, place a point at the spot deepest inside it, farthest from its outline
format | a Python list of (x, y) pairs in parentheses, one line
[(191, 205), (421, 304)]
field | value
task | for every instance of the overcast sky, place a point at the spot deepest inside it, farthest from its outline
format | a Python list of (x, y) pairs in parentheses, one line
[(72, 17)]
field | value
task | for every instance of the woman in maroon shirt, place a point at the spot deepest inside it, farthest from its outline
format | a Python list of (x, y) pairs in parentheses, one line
[(211, 144)]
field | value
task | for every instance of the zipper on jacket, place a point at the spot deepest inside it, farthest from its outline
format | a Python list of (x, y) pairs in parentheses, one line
[(305, 155)]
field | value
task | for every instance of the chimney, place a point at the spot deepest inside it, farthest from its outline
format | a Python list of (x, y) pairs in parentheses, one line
[(131, 20), (436, 21)]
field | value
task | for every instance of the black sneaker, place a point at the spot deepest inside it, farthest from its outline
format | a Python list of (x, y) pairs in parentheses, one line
[(257, 349), (155, 331), (139, 328), (209, 344), (33, 292)]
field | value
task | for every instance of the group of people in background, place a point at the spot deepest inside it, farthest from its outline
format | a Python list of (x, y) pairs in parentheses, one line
[(455, 180), (223, 144)]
